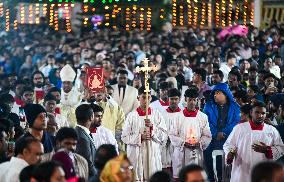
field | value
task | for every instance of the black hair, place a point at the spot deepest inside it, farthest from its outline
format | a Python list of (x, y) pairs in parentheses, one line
[(258, 104), (83, 113), (4, 110), (174, 92), (191, 93), (188, 169), (6, 125), (164, 85), (241, 94), (122, 71), (6, 98), (220, 73), (44, 171), (37, 72), (54, 89), (255, 88), (246, 109), (109, 87), (141, 90), (237, 74), (27, 173), (161, 176), (27, 89), (264, 171), (97, 108), (104, 153), (20, 82), (269, 75), (49, 97), (252, 68), (66, 132), (202, 72), (24, 143)]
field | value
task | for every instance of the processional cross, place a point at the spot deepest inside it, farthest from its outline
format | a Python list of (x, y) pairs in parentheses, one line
[(146, 70)]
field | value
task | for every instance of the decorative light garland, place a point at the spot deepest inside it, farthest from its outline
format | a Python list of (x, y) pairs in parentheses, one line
[(1, 9), (195, 13), (223, 8), (252, 13), (7, 20), (174, 13), (189, 12), (149, 15), (230, 12)]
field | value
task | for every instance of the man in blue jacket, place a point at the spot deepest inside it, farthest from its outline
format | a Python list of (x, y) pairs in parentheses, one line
[(223, 114)]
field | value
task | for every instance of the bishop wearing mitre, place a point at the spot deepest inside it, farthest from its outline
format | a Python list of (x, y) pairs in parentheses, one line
[(70, 96)]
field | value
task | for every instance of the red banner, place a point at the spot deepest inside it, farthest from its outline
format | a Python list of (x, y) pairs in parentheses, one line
[(95, 79)]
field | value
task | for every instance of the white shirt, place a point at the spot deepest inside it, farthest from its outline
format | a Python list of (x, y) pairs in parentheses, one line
[(104, 136), (10, 170), (225, 69)]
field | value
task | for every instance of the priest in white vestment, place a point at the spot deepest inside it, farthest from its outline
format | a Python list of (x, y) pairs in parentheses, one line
[(70, 96), (252, 142), (135, 136), (190, 134), (100, 134)]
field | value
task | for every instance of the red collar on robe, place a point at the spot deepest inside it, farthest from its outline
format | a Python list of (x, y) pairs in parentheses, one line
[(142, 113), (256, 127), (19, 102), (93, 130), (187, 113), (173, 111), (167, 103)]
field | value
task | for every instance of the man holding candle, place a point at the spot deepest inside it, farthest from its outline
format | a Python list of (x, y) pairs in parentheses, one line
[(252, 142), (190, 134), (135, 136)]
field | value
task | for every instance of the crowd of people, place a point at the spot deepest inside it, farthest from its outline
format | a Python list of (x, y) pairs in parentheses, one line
[(216, 105)]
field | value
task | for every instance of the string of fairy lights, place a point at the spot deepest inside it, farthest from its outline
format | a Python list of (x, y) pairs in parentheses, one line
[(183, 13)]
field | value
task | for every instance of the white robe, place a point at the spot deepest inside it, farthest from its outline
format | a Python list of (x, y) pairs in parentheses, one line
[(68, 104), (167, 148), (241, 139), (157, 105), (180, 132), (136, 149), (61, 121), (104, 136)]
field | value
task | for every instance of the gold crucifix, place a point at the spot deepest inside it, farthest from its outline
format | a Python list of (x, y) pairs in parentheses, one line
[(146, 70)]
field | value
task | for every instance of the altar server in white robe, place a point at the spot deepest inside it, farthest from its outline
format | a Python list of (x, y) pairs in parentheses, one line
[(70, 96), (190, 135), (252, 142), (173, 113), (163, 102), (100, 134), (134, 135)]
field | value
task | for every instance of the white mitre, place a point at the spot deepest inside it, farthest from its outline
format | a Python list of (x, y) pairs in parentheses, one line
[(67, 73)]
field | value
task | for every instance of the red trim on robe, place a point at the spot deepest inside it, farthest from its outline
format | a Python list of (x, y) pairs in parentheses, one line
[(268, 153), (141, 112), (256, 127), (169, 110), (187, 113), (93, 130), (167, 103), (19, 102), (57, 110)]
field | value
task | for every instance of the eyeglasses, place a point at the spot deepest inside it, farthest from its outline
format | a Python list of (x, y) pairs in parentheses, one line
[(124, 169)]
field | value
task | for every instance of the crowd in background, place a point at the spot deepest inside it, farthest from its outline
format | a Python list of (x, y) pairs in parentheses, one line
[(33, 56)]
